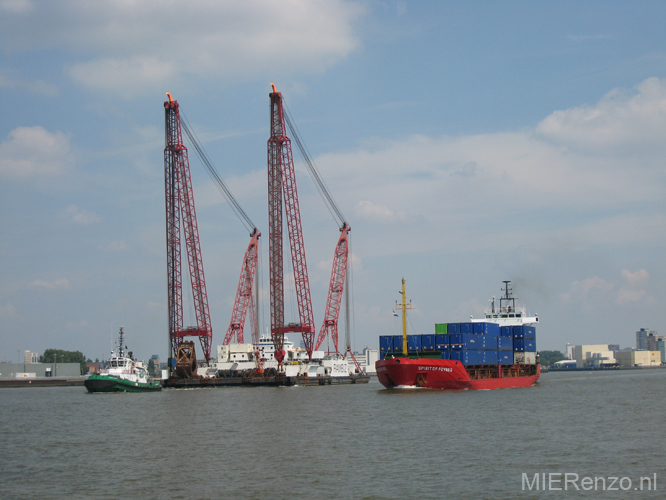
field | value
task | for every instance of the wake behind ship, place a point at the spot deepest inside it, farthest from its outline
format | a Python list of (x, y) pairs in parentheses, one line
[(496, 352)]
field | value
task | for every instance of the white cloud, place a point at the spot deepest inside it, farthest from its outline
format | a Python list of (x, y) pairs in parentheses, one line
[(81, 216), (59, 284), (634, 291), (456, 189), (636, 279), (34, 151), (127, 47), (621, 122)]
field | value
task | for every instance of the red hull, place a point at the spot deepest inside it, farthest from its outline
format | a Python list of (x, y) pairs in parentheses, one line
[(447, 374)]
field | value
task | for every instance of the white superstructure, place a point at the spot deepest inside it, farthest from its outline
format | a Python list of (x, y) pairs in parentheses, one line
[(508, 313), (241, 357)]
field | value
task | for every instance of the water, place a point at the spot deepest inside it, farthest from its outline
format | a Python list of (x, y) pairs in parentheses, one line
[(356, 442)]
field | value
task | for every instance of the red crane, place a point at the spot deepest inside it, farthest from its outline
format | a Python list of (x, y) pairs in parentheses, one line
[(282, 181), (244, 299), (335, 289), (180, 204)]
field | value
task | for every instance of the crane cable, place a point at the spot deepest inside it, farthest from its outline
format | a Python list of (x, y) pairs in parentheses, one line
[(314, 173), (240, 213)]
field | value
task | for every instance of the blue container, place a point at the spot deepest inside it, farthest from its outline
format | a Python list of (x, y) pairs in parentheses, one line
[(524, 345), (472, 356), (490, 329), (504, 357), (490, 357), (472, 341), (381, 355), (413, 343), (446, 354), (385, 344), (504, 343), (524, 332), (466, 327), (428, 342), (505, 331), (530, 332), (397, 343), (454, 328), (442, 342), (455, 340)]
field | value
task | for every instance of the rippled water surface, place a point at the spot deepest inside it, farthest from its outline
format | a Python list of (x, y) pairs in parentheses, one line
[(337, 441)]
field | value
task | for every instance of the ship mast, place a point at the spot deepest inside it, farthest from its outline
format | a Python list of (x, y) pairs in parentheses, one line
[(404, 306)]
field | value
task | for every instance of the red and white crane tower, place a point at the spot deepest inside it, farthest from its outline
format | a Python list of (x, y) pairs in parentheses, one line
[(180, 210), (282, 181)]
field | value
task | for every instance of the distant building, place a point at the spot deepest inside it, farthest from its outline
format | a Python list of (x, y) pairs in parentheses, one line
[(638, 358), (613, 347), (661, 344), (93, 367), (593, 355), (646, 340), (31, 357), (570, 351), (366, 360)]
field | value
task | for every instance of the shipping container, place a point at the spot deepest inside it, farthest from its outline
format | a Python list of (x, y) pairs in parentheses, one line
[(472, 341), (397, 343), (524, 332), (453, 328), (455, 340), (529, 331), (413, 343), (520, 345), (505, 331), (474, 357), (524, 358), (490, 329), (466, 327), (504, 343), (446, 354), (442, 342), (505, 357), (441, 328), (385, 343), (428, 342), (490, 357)]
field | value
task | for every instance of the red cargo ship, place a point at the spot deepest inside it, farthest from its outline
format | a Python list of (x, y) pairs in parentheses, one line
[(448, 374), (403, 371)]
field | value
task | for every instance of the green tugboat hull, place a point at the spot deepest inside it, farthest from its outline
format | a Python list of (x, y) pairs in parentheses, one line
[(108, 383)]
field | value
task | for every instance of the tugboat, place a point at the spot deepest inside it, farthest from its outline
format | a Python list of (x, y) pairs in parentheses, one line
[(123, 374)]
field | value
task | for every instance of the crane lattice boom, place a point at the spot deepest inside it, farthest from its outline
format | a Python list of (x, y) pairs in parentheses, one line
[(179, 201), (244, 296), (282, 182)]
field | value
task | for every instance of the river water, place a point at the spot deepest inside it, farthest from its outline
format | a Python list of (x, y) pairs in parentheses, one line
[(339, 442)]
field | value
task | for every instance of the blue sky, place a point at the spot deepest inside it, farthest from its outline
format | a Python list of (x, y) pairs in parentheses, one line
[(466, 143)]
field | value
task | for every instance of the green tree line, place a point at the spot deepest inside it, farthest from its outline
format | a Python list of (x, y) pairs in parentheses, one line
[(60, 356), (547, 358)]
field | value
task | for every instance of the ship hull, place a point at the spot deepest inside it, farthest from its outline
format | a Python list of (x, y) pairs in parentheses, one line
[(107, 383), (453, 375)]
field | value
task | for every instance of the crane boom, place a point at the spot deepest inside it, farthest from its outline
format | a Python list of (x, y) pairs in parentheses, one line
[(282, 182), (244, 299), (335, 289), (179, 201)]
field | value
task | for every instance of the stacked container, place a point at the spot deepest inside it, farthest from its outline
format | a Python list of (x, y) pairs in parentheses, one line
[(470, 343)]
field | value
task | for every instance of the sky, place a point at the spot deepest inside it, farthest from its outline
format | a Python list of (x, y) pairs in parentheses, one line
[(466, 143)]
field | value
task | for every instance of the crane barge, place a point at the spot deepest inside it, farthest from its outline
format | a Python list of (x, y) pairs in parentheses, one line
[(270, 359)]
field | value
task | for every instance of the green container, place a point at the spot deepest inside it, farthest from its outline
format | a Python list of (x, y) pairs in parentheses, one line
[(442, 328)]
